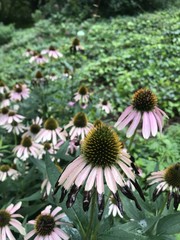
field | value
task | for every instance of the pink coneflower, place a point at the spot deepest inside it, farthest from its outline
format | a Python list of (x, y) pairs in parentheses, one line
[(34, 128), (79, 126), (144, 107), (19, 92), (105, 106), (7, 171), (73, 146), (3, 88), (28, 53), (5, 101), (76, 46), (168, 180), (28, 148), (3, 115), (52, 53), (46, 187), (51, 132), (39, 59), (47, 225), (113, 208), (82, 95), (101, 159), (39, 79), (8, 116), (53, 77), (8, 220), (14, 127)]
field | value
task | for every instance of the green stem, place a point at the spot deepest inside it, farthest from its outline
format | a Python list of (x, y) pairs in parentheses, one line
[(15, 139), (132, 140)]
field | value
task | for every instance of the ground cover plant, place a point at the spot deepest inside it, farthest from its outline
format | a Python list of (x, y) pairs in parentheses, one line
[(89, 124)]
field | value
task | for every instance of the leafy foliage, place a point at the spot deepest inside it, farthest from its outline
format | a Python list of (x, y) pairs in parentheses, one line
[(118, 56)]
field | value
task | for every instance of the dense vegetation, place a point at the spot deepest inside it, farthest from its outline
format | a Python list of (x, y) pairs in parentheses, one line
[(119, 56)]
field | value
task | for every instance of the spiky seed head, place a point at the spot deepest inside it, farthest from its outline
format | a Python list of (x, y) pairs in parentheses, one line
[(101, 146), (144, 100)]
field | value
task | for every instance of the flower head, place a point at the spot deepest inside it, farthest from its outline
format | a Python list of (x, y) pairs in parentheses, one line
[(19, 92), (82, 96), (14, 127), (47, 225), (79, 126), (76, 46), (5, 100), (38, 58), (144, 107), (113, 207), (28, 148), (51, 132), (52, 52), (34, 128), (8, 116), (28, 53), (168, 180), (7, 171), (105, 106), (8, 220), (102, 158), (3, 87), (39, 79)]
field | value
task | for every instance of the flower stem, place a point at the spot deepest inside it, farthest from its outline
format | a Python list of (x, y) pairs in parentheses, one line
[(132, 140)]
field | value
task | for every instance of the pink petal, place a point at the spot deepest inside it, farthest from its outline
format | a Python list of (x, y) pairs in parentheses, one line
[(127, 120), (61, 234), (100, 180), (159, 121), (69, 169), (82, 175), (123, 115), (16, 207), (110, 180), (117, 176), (29, 235), (55, 211), (91, 179), (9, 233), (75, 172), (146, 126), (127, 170), (153, 124), (133, 125)]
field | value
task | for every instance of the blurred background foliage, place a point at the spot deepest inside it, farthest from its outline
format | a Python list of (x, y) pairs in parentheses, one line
[(21, 12)]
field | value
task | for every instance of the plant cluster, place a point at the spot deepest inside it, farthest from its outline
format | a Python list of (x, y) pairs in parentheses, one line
[(82, 111)]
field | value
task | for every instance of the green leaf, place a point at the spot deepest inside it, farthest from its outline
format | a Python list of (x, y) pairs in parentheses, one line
[(62, 153), (52, 171), (33, 197), (39, 164), (116, 233), (169, 224)]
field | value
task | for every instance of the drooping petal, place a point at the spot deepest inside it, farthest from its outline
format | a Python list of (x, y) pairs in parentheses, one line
[(127, 120), (91, 179), (146, 126), (100, 181), (123, 115), (110, 180), (153, 124), (133, 125)]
